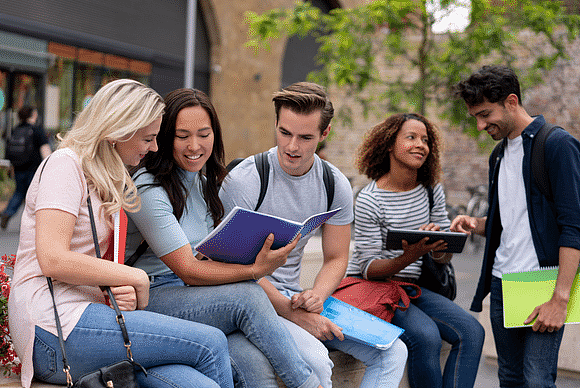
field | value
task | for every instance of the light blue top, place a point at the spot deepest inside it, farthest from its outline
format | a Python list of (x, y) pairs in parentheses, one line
[(156, 223)]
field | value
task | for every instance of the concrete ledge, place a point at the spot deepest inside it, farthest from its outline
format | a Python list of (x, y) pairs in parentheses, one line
[(348, 371), (14, 382)]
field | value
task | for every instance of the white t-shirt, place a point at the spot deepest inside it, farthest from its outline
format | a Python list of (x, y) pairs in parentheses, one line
[(516, 249), (63, 186), (292, 197)]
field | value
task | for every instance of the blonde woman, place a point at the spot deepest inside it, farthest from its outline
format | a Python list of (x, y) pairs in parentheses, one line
[(117, 128)]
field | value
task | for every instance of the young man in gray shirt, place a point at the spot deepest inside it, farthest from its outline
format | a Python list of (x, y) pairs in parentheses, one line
[(296, 191)]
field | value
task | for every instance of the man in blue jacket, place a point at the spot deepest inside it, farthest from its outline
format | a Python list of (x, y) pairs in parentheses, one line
[(525, 230)]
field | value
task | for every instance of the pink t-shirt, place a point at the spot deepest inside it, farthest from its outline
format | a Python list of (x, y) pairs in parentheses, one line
[(62, 186)]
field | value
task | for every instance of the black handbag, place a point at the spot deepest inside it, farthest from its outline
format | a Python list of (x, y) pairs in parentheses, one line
[(117, 375), (437, 277)]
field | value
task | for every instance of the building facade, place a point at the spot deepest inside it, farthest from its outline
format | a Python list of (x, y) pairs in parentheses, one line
[(54, 54)]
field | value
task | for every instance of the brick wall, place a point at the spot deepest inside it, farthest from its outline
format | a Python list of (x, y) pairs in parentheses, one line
[(242, 84)]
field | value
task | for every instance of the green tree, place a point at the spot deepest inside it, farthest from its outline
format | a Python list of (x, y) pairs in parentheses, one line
[(357, 44)]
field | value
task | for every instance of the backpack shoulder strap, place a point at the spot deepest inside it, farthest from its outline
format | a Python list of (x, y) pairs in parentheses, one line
[(328, 178), (538, 164), (263, 167)]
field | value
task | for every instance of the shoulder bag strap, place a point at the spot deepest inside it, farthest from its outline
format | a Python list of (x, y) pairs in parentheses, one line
[(120, 318), (137, 254)]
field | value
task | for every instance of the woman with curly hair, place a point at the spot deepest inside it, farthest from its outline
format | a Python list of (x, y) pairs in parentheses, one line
[(402, 157)]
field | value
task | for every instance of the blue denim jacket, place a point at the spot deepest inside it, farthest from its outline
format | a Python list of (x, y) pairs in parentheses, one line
[(554, 224)]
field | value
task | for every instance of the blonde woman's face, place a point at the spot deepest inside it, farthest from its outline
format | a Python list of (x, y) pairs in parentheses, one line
[(137, 146)]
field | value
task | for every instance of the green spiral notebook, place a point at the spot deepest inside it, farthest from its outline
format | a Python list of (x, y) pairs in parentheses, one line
[(523, 291)]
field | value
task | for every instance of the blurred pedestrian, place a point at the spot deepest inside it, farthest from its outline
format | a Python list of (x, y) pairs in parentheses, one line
[(26, 146)]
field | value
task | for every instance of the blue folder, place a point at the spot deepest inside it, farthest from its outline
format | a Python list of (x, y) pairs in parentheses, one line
[(361, 326)]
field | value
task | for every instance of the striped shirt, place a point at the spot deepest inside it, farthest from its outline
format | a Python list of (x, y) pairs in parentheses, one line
[(376, 210)]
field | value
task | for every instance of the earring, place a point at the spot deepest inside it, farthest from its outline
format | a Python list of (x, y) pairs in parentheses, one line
[(114, 144)]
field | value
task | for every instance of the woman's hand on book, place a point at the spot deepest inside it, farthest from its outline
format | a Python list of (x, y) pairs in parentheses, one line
[(268, 260)]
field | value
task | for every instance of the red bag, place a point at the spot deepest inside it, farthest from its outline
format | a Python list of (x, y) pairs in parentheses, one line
[(380, 298)]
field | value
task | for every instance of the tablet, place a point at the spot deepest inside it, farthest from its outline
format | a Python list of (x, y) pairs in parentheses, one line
[(455, 240)]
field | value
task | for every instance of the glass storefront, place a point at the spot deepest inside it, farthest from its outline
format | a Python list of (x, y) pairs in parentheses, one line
[(75, 76)]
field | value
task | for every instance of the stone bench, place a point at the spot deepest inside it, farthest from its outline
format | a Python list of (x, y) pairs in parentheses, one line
[(348, 371)]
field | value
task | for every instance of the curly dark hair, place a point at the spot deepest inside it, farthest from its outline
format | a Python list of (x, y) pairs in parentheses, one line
[(493, 83), (163, 166), (373, 157)]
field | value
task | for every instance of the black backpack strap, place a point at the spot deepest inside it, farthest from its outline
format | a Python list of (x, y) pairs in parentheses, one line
[(263, 167), (328, 178), (538, 163)]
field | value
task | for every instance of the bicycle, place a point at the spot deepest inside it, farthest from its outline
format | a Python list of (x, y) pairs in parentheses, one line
[(477, 207)]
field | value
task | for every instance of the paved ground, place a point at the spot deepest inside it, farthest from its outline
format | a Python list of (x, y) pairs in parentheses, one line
[(467, 266)]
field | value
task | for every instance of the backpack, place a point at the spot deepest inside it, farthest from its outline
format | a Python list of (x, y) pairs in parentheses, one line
[(20, 146), (264, 171), (538, 165)]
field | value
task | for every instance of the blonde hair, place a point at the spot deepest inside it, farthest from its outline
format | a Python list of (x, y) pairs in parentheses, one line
[(115, 113)]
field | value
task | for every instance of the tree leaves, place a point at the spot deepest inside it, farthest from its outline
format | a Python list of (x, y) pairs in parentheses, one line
[(386, 55)]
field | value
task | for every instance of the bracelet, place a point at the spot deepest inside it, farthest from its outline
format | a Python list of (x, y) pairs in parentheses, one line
[(253, 274)]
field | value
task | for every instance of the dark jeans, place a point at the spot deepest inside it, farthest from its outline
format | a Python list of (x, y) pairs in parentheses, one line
[(526, 358), (23, 179), (428, 320)]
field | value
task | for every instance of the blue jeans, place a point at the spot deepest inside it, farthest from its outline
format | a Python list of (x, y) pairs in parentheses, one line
[(22, 180), (384, 368), (526, 358), (176, 353), (428, 320), (231, 307)]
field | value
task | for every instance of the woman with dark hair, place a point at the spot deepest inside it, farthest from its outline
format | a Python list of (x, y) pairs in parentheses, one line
[(178, 186), (402, 157)]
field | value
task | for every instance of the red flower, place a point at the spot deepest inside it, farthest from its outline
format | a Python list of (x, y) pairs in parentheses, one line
[(9, 363)]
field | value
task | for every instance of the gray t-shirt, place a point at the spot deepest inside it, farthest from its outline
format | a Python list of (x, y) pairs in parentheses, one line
[(292, 197)]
